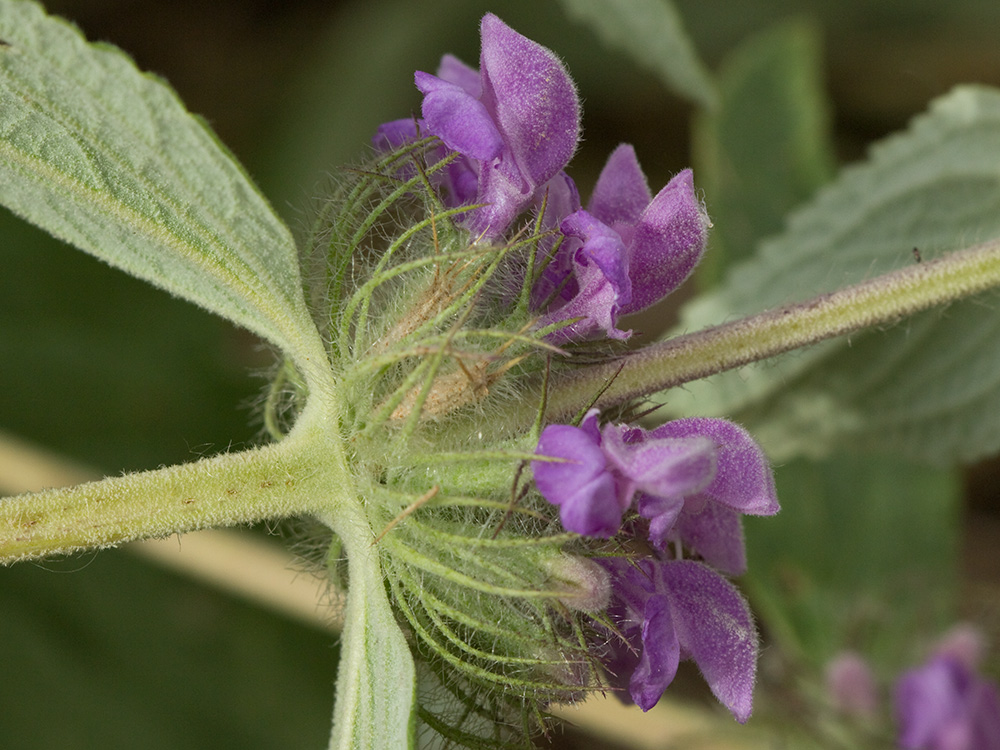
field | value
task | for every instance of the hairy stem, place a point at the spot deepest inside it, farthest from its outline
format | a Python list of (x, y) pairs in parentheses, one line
[(682, 359), (273, 481), (376, 680)]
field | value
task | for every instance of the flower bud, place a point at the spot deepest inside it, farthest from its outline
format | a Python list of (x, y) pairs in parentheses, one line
[(588, 583), (851, 686)]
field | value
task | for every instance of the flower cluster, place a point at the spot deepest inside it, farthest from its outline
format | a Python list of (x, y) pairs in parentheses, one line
[(687, 482), (511, 129), (503, 136), (943, 704)]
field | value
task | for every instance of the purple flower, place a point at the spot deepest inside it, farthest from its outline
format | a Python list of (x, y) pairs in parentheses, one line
[(670, 610), (515, 124), (944, 705), (625, 252), (708, 520), (597, 473), (592, 279), (965, 643), (579, 480), (851, 686), (691, 478)]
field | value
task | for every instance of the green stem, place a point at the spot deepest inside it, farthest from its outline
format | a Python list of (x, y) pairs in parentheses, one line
[(376, 679), (681, 359), (288, 478)]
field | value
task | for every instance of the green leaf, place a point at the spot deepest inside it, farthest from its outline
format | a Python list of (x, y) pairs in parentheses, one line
[(153, 396), (110, 652), (766, 147), (928, 388), (376, 684), (653, 33), (863, 555), (107, 159)]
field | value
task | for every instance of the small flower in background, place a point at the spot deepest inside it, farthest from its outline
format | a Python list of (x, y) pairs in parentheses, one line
[(964, 643), (945, 704), (851, 686)]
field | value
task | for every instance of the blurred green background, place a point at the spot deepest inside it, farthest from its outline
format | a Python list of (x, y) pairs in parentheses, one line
[(107, 651)]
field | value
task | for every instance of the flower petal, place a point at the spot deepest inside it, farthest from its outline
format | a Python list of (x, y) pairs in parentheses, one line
[(581, 484), (601, 276), (592, 509), (455, 71), (714, 627), (391, 135), (532, 99), (660, 655), (743, 479), (458, 119), (662, 467), (662, 514), (621, 193), (668, 242), (715, 532)]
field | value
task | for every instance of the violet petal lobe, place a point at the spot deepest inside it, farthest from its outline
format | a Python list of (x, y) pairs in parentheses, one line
[(560, 199), (743, 479), (458, 119), (534, 105), (592, 510), (668, 241), (716, 630), (602, 282), (715, 532), (660, 656), (455, 71), (392, 135), (662, 514), (621, 193), (532, 99), (581, 484), (632, 586), (662, 467)]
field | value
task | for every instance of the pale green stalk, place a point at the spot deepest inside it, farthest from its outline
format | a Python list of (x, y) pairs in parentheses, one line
[(274, 481), (681, 359), (376, 678)]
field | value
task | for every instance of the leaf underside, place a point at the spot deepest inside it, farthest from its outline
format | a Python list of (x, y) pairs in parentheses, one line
[(108, 159), (926, 389)]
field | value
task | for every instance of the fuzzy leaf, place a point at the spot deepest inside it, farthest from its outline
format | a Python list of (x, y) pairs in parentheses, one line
[(766, 148), (376, 684), (928, 388), (652, 32), (110, 648), (108, 159), (825, 574)]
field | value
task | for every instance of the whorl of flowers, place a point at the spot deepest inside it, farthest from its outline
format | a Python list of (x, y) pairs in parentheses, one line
[(451, 276)]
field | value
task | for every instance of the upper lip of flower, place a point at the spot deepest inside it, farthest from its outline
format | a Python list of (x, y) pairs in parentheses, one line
[(703, 462), (517, 120)]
